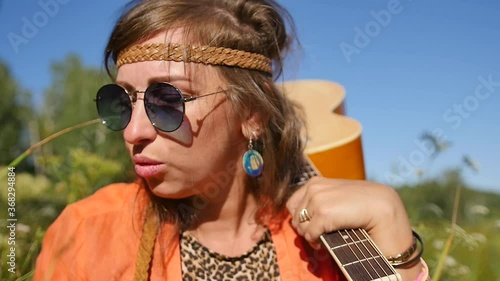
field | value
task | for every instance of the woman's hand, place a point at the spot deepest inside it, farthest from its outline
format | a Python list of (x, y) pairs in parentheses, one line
[(346, 204)]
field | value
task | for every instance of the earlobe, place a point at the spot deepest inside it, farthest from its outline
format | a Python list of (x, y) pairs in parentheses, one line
[(252, 160), (251, 127)]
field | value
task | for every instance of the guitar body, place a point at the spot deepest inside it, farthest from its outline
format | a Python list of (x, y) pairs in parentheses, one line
[(333, 140), (333, 145), (349, 167)]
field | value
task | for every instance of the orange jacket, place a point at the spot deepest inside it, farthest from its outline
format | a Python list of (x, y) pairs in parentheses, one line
[(98, 238)]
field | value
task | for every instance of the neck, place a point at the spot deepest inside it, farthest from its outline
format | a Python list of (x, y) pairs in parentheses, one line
[(227, 224)]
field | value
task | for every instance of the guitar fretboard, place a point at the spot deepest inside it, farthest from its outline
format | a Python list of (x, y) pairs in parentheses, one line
[(352, 249), (357, 255)]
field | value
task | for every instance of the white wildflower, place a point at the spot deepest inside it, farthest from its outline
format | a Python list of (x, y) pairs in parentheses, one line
[(479, 237), (23, 228), (463, 270), (497, 223), (450, 261), (479, 210), (438, 244)]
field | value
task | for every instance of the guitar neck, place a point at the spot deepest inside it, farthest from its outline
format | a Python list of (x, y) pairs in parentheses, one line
[(357, 256), (352, 249)]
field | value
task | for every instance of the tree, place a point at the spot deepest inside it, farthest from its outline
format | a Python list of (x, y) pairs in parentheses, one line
[(15, 114), (69, 101)]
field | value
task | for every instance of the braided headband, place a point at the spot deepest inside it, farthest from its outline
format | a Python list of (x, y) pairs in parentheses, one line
[(196, 54)]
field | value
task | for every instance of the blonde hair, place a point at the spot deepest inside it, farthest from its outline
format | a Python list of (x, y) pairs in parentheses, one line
[(256, 26)]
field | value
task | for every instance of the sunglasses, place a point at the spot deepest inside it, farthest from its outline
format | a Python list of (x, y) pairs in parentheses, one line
[(164, 104)]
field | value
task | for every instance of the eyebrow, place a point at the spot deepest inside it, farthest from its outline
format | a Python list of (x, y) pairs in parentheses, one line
[(169, 78)]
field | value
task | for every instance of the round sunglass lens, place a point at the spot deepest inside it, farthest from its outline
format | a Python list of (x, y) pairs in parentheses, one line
[(114, 107), (164, 106)]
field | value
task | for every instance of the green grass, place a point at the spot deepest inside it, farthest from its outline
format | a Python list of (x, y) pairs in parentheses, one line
[(472, 256)]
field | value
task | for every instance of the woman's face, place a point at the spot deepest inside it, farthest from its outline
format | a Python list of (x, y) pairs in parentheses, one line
[(204, 154)]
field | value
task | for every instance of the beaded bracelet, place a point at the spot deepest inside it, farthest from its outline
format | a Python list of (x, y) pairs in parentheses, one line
[(405, 258)]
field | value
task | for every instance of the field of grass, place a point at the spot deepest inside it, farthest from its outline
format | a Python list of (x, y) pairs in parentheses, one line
[(472, 256)]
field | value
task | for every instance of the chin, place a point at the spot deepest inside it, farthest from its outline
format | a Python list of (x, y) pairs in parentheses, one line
[(170, 191)]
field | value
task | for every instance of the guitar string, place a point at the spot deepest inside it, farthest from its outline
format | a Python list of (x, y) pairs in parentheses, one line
[(348, 244), (376, 249), (373, 258), (366, 258), (379, 255), (332, 241)]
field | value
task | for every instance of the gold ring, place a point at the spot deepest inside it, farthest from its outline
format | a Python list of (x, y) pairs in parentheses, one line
[(304, 216)]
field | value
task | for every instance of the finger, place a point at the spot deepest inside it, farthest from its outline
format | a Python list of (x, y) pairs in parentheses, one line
[(295, 199), (301, 223), (321, 214), (302, 231), (300, 200), (302, 215), (314, 229), (316, 245)]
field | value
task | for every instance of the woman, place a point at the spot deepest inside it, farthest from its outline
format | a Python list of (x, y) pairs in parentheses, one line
[(195, 97)]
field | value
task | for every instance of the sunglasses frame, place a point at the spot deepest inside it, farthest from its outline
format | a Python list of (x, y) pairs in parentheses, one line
[(133, 99)]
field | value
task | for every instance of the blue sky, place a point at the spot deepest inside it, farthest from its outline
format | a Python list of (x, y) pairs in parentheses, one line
[(407, 66)]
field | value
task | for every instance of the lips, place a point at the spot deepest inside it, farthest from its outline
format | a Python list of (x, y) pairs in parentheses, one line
[(146, 167)]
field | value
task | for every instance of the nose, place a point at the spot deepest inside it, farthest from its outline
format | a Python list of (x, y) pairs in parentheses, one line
[(139, 130)]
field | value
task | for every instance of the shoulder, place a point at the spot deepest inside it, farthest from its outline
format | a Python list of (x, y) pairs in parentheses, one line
[(119, 205), (111, 198), (105, 224), (114, 208)]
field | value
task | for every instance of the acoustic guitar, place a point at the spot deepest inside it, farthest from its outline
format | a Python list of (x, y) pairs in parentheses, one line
[(334, 150)]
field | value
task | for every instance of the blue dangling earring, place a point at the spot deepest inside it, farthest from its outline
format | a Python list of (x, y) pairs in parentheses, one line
[(252, 161)]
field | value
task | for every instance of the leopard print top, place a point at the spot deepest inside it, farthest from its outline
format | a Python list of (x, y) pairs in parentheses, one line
[(200, 263)]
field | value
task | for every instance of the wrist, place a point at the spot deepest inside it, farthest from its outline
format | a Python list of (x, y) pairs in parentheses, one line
[(409, 257)]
